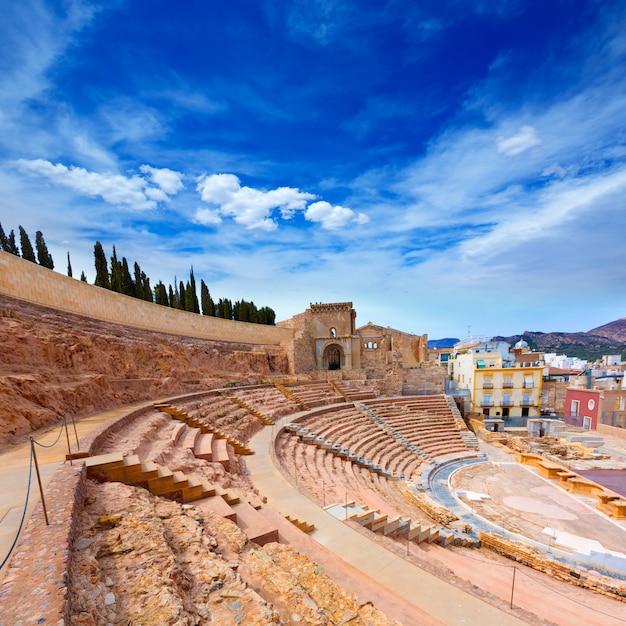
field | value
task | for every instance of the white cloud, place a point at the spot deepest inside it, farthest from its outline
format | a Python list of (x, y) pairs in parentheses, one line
[(169, 181), (207, 217), (253, 208), (546, 214), (554, 170), (526, 138), (333, 217), (250, 207), (133, 192)]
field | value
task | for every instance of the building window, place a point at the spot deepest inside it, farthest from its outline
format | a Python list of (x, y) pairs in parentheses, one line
[(526, 398), (528, 381), (486, 399), (333, 332), (506, 399), (591, 404), (575, 410)]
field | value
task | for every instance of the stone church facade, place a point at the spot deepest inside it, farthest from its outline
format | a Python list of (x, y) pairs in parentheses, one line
[(327, 344)]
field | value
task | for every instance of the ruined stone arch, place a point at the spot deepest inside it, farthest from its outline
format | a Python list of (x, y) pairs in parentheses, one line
[(333, 357)]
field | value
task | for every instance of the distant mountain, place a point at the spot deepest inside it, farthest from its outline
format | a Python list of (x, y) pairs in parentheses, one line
[(436, 344), (591, 345), (613, 330)]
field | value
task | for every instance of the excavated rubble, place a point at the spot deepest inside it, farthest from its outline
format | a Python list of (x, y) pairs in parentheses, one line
[(140, 559)]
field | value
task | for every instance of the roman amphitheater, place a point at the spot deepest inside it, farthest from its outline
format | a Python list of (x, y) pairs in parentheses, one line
[(202, 471)]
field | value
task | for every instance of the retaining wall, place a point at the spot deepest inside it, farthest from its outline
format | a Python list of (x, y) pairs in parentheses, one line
[(605, 429), (35, 588), (28, 281)]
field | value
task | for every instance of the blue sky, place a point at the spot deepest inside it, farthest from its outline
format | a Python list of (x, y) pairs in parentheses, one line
[(442, 165)]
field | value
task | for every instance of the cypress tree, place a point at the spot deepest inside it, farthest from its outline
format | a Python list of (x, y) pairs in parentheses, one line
[(4, 242), (182, 296), (172, 298), (147, 290), (116, 273), (128, 287), (44, 257), (83, 277), (27, 247), (69, 265), (102, 271), (266, 315), (194, 292), (139, 293), (12, 245), (225, 309), (190, 299), (208, 306), (160, 294)]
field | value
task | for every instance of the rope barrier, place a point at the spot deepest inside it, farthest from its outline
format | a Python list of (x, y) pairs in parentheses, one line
[(569, 598), (19, 530), (41, 445), (30, 475)]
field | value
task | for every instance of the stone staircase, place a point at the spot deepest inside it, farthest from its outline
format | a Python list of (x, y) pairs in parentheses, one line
[(400, 438), (395, 526), (266, 421), (184, 488), (303, 405), (351, 394), (204, 427)]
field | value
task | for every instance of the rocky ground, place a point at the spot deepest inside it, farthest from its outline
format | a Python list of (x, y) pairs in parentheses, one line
[(144, 560), (54, 363)]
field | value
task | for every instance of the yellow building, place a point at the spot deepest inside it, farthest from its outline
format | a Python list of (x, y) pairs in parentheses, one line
[(498, 387)]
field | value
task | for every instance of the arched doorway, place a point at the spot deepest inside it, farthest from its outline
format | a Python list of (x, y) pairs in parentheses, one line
[(332, 357)]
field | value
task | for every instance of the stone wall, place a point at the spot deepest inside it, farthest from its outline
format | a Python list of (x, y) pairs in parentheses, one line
[(301, 350), (28, 281), (423, 380), (605, 429)]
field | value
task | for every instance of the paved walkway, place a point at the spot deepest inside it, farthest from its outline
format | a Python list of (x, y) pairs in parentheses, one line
[(15, 464), (436, 597)]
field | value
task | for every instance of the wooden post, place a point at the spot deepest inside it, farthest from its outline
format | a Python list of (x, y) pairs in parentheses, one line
[(43, 501), (75, 433), (513, 586), (67, 436)]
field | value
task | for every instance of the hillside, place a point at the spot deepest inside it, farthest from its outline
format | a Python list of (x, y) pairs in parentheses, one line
[(55, 363), (613, 330), (591, 345)]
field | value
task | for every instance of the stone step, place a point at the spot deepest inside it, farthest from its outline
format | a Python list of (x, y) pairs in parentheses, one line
[(188, 438), (204, 447), (219, 452), (218, 506), (256, 527), (302, 525), (177, 431)]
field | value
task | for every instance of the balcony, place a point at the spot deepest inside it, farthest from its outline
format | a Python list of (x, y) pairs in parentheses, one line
[(487, 385), (529, 385), (527, 402), (508, 402), (507, 384), (484, 403)]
